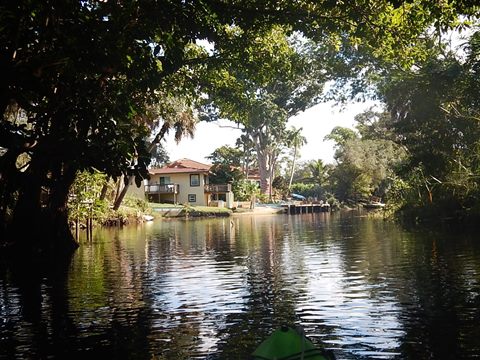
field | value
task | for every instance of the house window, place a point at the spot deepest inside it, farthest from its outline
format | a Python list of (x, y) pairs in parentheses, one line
[(164, 180), (194, 180), (192, 198)]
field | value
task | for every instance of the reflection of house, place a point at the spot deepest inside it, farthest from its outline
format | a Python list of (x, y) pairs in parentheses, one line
[(186, 181)]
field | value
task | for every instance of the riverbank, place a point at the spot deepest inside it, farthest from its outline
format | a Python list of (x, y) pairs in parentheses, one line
[(187, 211), (182, 211), (262, 209), (151, 211)]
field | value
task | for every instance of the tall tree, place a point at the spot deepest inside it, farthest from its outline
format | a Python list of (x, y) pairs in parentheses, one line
[(262, 98), (296, 140)]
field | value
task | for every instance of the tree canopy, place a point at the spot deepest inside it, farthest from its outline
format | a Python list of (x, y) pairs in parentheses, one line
[(435, 117)]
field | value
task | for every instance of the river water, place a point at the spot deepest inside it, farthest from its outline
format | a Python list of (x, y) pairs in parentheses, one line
[(214, 288)]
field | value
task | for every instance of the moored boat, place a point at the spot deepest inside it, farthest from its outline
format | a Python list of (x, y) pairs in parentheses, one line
[(288, 343)]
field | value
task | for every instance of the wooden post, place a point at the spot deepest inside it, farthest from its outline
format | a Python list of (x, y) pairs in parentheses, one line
[(77, 224)]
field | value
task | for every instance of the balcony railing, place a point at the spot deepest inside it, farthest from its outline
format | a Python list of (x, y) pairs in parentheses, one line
[(162, 189), (218, 188)]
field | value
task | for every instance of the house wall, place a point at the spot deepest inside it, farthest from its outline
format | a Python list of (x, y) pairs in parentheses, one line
[(185, 189), (136, 192)]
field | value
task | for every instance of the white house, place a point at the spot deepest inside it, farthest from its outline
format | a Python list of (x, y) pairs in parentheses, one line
[(186, 182)]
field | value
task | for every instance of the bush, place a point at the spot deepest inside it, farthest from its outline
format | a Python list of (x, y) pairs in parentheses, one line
[(308, 190)]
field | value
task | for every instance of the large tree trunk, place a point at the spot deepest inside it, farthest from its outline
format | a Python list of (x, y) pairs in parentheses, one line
[(57, 214), (22, 232), (8, 189), (103, 193), (273, 164), (263, 159), (264, 172), (40, 219)]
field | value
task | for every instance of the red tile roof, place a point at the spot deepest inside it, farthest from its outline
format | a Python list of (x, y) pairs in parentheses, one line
[(182, 166)]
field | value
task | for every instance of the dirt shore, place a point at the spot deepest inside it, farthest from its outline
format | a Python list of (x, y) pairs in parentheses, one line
[(260, 210)]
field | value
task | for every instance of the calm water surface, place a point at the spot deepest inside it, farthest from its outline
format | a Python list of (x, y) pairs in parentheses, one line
[(212, 289)]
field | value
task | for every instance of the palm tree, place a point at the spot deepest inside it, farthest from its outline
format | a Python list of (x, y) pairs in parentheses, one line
[(174, 115), (183, 122), (318, 171), (295, 140)]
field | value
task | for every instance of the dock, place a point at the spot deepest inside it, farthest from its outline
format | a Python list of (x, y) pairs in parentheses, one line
[(294, 209)]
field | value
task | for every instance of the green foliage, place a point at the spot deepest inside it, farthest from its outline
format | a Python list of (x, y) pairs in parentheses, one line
[(308, 190), (316, 172), (226, 155), (244, 190), (225, 174), (160, 156), (84, 200), (136, 203), (436, 118), (280, 187), (373, 125), (366, 164), (247, 148), (226, 169), (340, 135)]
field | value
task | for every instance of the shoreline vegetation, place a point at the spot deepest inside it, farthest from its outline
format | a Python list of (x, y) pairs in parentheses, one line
[(137, 211), (189, 211)]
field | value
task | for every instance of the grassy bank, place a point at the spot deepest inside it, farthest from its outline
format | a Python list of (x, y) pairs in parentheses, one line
[(136, 211), (188, 211)]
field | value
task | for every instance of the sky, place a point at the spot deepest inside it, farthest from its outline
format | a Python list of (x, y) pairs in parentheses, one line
[(315, 122)]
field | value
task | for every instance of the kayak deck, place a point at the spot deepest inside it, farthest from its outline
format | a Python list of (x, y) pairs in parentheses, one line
[(289, 344)]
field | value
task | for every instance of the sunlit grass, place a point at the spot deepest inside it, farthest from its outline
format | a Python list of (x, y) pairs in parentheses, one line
[(209, 209)]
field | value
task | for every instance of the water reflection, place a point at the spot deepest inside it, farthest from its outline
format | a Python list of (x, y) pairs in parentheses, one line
[(214, 288)]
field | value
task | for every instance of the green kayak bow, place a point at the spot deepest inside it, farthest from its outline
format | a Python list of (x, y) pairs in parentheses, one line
[(289, 344)]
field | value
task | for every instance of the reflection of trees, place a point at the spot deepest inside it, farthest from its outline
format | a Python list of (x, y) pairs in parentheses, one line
[(218, 286), (106, 292), (429, 278), (190, 296), (115, 301), (35, 309), (440, 314), (271, 294)]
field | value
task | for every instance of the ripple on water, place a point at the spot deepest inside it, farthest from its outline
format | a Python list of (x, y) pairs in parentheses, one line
[(210, 290)]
